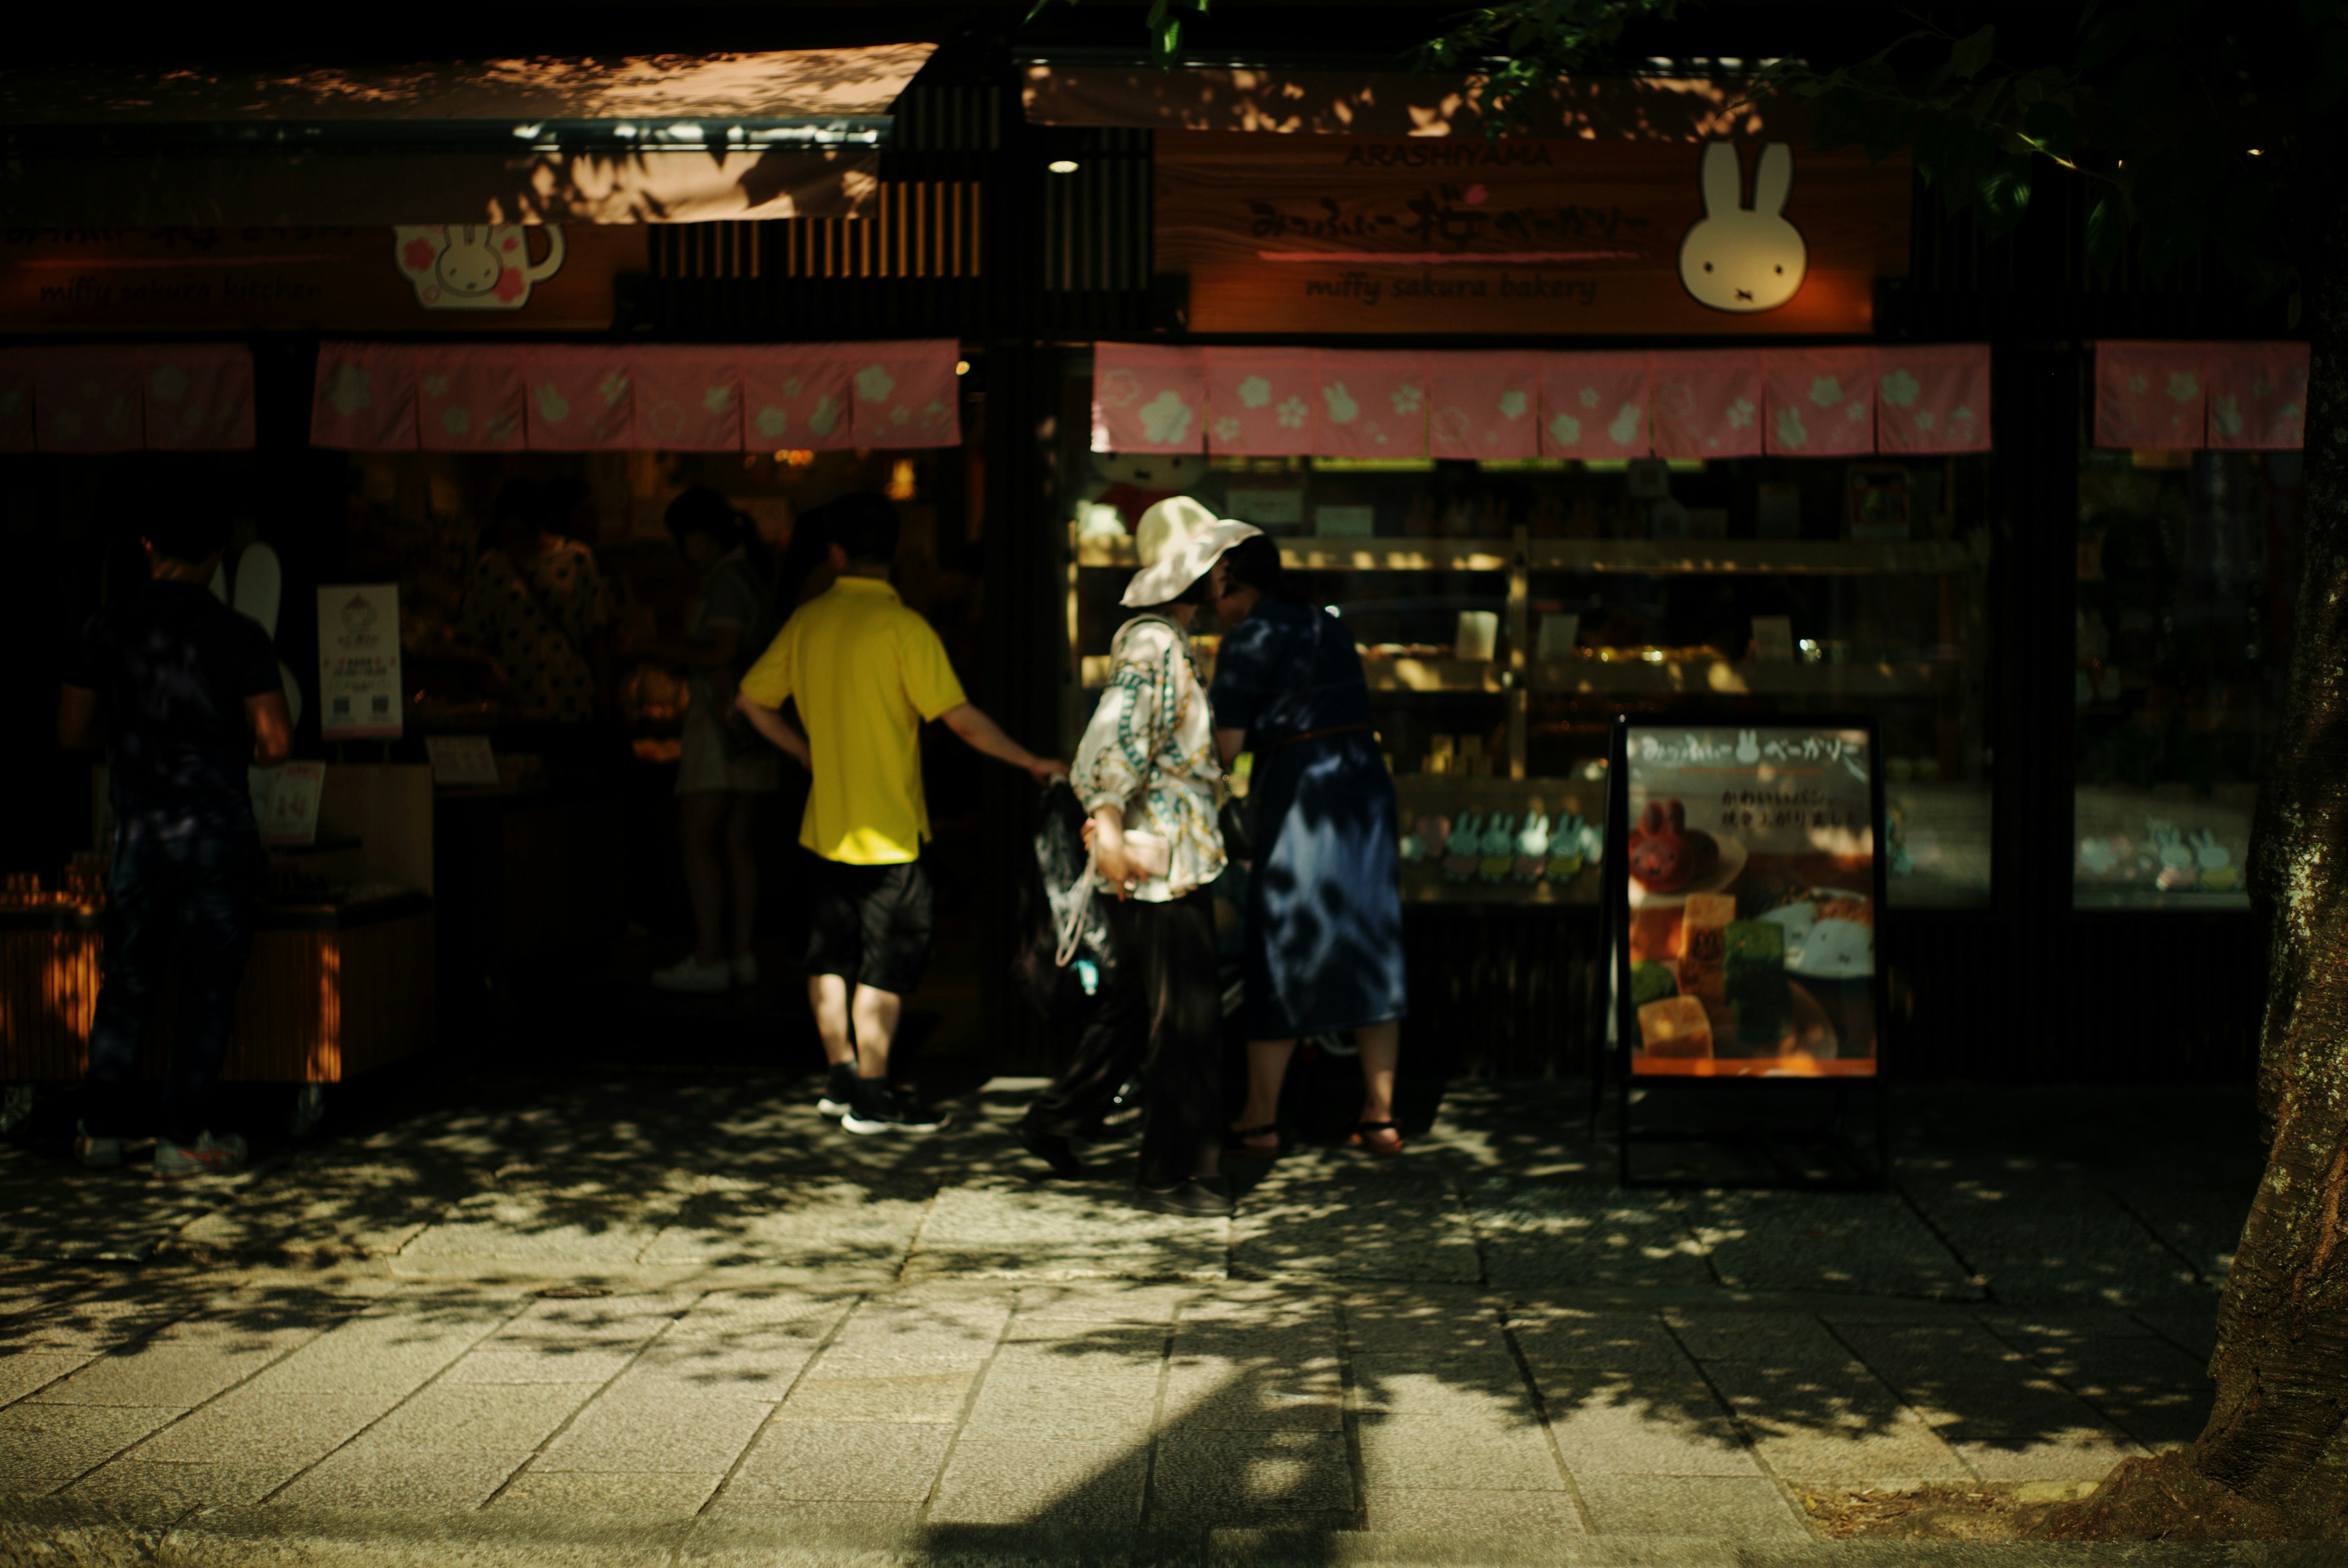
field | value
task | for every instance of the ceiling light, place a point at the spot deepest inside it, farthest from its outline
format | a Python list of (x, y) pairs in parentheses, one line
[(1062, 165), (961, 368)]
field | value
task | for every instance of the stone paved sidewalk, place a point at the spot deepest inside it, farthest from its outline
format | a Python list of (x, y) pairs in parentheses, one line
[(560, 1313)]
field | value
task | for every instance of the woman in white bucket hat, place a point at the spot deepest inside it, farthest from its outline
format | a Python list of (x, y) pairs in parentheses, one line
[(1147, 774)]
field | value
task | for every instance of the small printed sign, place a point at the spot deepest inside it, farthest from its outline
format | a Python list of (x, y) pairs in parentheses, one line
[(285, 802), (1746, 899), (358, 661), (461, 759)]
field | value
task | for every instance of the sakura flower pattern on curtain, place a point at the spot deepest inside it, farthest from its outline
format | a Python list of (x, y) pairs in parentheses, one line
[(1264, 400), (1595, 405), (89, 403), (1819, 403), (594, 397), (2150, 393), (796, 403), (905, 394), (580, 399), (470, 400), (1932, 399), (1148, 399), (688, 399), (199, 399), (365, 398), (1372, 403), (1708, 403), (1483, 405), (2258, 396)]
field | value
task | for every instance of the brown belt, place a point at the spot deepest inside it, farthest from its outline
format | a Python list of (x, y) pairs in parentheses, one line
[(1312, 735)]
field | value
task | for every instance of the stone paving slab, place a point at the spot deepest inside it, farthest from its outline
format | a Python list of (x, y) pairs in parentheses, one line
[(1005, 1228), (772, 1328), (822, 1538)]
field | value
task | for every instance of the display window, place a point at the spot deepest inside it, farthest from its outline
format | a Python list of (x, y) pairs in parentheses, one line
[(2186, 566), (1507, 608)]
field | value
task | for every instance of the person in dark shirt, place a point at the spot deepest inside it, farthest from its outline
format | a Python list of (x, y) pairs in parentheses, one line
[(184, 692)]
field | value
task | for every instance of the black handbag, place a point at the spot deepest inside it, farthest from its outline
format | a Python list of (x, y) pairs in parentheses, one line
[(1058, 876)]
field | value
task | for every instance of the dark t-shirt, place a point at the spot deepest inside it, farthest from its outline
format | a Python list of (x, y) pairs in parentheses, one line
[(172, 667), (1261, 683)]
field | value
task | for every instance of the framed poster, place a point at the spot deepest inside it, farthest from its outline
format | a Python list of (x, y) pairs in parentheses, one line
[(358, 661), (1744, 883)]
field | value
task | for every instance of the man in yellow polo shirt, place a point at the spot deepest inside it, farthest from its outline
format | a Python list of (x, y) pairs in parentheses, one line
[(866, 672)]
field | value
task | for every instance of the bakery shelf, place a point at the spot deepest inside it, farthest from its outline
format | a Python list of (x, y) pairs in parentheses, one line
[(1664, 557), (1343, 554), (1723, 677), (1434, 675), (1423, 884)]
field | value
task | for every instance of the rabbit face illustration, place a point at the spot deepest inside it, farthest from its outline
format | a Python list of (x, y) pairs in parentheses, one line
[(1740, 258), (475, 267)]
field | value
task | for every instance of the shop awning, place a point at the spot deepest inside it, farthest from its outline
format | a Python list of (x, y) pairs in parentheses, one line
[(129, 398), (1282, 101), (2227, 396), (1500, 404), (761, 397), (642, 139)]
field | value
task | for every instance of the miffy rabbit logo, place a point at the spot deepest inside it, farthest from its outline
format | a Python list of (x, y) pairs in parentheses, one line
[(474, 267), (1740, 258)]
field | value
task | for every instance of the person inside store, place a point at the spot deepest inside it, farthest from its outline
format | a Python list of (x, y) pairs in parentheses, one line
[(1323, 919), (1147, 776), (726, 765), (535, 608), (866, 672), (184, 693)]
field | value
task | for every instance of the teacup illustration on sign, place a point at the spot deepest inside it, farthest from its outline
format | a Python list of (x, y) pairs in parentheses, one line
[(474, 266), (1740, 258)]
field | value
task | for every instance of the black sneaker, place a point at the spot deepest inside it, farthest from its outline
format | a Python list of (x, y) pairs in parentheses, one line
[(1193, 1198), (840, 1090), (882, 1109), (1053, 1150)]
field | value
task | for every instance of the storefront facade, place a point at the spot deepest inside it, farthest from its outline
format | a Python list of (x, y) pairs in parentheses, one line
[(1925, 481), (2070, 633)]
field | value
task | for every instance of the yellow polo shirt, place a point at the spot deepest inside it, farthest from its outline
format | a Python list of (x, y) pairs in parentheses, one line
[(867, 673)]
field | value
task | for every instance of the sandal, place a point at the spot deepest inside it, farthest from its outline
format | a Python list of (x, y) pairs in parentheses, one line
[(1370, 1135), (1236, 1140)]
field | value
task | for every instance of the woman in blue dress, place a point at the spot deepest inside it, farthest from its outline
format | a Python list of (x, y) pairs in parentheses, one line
[(1323, 913)]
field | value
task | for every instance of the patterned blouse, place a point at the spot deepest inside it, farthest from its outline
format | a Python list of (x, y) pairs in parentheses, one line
[(1150, 748), (538, 623)]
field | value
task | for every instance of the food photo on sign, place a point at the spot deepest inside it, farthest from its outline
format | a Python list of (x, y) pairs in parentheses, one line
[(1750, 903)]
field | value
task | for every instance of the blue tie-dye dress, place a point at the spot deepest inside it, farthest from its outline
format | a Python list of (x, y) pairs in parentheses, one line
[(1323, 914)]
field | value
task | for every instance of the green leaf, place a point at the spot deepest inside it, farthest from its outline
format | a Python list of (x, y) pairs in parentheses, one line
[(2003, 196), (2051, 127), (1973, 54)]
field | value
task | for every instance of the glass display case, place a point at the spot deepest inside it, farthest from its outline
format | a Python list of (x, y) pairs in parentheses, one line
[(1506, 610), (2187, 565)]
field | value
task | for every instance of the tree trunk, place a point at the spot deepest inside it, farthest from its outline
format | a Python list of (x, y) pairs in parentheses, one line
[(2273, 1461)]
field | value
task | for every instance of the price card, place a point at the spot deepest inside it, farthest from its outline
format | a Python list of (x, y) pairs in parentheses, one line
[(461, 759), (289, 810), (1773, 639)]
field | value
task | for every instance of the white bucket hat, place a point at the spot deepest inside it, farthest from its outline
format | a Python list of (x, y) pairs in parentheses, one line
[(1178, 541)]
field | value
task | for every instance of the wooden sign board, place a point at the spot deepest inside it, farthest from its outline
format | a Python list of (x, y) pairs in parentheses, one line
[(1357, 234), (1744, 888), (437, 278)]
